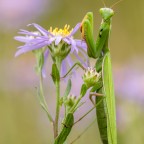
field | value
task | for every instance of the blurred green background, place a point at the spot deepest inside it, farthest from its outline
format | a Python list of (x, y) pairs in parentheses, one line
[(22, 120)]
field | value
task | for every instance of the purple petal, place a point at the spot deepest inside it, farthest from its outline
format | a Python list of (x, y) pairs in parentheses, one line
[(69, 60), (77, 56), (41, 29), (83, 53), (28, 33), (81, 43), (26, 48), (63, 67), (85, 56), (36, 41), (66, 40), (52, 39), (73, 46), (70, 63), (58, 39), (22, 39), (74, 30)]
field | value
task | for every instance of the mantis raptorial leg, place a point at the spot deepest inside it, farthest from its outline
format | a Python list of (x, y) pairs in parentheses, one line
[(94, 94), (91, 124), (88, 125), (76, 64)]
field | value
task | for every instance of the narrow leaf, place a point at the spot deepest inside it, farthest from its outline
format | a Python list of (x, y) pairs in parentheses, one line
[(83, 90), (55, 73), (68, 88)]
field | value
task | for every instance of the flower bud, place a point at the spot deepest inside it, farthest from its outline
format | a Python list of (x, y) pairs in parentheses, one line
[(70, 101), (90, 77)]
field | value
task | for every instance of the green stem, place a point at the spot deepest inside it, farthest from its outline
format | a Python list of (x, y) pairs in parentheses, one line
[(58, 63), (57, 107), (72, 110)]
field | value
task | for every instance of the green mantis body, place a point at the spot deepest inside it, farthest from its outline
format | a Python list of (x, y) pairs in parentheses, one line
[(99, 50)]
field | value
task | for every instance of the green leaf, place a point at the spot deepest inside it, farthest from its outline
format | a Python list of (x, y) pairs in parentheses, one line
[(55, 74), (42, 101), (83, 90)]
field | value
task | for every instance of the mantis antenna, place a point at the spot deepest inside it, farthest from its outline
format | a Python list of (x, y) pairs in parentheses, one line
[(103, 3), (116, 3)]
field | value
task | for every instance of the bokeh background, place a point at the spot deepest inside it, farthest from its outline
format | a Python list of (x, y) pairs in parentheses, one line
[(22, 121)]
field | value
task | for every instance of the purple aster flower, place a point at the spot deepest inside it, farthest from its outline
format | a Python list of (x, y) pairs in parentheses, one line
[(58, 42)]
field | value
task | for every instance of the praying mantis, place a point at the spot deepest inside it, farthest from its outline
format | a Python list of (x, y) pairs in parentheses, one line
[(104, 90), (99, 50)]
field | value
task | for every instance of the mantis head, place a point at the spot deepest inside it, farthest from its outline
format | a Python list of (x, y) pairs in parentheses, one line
[(106, 13)]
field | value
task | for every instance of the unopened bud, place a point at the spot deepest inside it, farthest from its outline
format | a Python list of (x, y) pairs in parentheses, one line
[(90, 77)]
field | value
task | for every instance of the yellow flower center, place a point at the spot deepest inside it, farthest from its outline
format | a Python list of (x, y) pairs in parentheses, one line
[(63, 32)]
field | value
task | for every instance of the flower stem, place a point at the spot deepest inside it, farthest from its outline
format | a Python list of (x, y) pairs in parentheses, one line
[(58, 63), (72, 110)]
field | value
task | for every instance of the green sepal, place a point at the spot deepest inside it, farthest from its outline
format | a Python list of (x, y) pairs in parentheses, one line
[(83, 90), (55, 74), (68, 89)]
